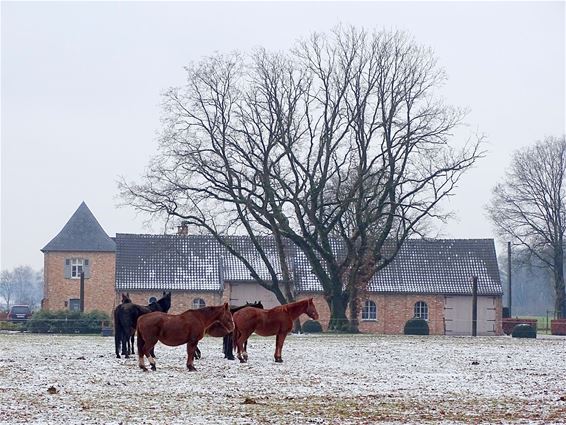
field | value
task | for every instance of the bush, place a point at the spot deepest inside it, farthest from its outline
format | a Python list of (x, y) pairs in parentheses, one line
[(64, 321), (524, 331), (312, 327), (9, 326), (416, 327)]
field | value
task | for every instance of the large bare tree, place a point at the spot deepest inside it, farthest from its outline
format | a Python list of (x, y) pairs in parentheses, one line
[(338, 147), (528, 206)]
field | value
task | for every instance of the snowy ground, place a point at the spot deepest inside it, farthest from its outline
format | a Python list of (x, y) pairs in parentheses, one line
[(325, 379)]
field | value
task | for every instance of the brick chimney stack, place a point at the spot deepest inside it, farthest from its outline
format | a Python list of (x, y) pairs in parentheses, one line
[(183, 229)]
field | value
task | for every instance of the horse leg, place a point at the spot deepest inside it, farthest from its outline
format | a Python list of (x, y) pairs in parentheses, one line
[(132, 345), (117, 341), (198, 354), (145, 348), (191, 348), (279, 340), (125, 337), (228, 346), (241, 343)]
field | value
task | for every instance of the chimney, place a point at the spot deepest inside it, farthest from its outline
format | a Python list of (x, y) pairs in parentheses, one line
[(183, 229)]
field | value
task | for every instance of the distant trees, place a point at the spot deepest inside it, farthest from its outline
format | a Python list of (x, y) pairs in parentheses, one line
[(22, 285), (339, 147), (529, 207)]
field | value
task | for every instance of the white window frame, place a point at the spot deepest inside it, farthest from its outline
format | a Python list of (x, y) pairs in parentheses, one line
[(77, 266), (369, 311), (198, 303), (421, 310)]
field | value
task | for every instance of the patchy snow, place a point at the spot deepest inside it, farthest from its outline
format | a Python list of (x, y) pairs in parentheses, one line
[(325, 379)]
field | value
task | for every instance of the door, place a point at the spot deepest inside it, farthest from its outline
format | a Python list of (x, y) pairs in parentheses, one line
[(458, 315)]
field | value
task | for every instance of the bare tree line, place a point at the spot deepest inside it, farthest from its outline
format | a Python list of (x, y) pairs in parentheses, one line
[(22, 285), (528, 207), (339, 146)]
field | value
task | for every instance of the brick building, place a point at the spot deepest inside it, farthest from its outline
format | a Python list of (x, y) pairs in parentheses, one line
[(429, 279)]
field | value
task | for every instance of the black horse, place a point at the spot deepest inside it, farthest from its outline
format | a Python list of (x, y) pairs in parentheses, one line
[(227, 339), (126, 318)]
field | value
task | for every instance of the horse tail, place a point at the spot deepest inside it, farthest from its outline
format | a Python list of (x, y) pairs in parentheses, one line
[(117, 332), (140, 343), (235, 336)]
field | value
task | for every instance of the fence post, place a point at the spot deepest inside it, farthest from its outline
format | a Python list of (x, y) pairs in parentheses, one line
[(474, 305)]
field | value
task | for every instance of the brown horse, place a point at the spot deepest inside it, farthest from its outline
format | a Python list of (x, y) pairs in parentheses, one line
[(276, 321), (176, 329)]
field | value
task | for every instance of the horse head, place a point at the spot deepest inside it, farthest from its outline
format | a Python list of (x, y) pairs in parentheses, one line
[(163, 304), (311, 310), (226, 318)]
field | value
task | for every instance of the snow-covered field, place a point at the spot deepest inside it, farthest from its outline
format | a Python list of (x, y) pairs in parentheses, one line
[(325, 379)]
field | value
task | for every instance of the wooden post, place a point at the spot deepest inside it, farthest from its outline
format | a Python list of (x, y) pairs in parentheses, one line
[(474, 305), (82, 293)]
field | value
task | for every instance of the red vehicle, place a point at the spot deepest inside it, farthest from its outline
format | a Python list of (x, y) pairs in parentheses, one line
[(19, 313)]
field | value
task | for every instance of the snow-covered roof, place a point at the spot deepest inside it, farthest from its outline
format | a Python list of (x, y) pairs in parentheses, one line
[(200, 263)]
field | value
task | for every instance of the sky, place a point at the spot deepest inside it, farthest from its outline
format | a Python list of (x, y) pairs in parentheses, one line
[(82, 84)]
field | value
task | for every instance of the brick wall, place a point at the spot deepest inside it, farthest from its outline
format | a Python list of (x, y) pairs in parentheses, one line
[(393, 311), (180, 301), (99, 288)]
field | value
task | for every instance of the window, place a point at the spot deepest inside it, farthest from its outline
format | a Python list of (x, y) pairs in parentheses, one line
[(369, 312), (74, 304), (198, 303), (421, 310), (75, 266)]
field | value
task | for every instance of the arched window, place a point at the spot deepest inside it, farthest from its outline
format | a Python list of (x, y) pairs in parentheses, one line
[(369, 312), (421, 310), (198, 303)]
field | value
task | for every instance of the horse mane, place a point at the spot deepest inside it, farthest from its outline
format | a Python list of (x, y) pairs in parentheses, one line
[(163, 304), (256, 304)]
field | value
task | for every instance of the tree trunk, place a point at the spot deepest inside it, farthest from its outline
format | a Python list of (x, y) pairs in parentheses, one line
[(354, 310), (338, 320)]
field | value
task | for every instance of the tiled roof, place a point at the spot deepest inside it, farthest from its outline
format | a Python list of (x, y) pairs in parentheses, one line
[(82, 233), (199, 263), (439, 266), (168, 262)]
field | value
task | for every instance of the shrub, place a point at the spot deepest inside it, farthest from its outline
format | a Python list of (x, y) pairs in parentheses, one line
[(65, 321), (312, 327), (416, 327), (524, 331), (8, 326)]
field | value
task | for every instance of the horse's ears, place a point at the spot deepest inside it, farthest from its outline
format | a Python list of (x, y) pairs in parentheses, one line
[(226, 306)]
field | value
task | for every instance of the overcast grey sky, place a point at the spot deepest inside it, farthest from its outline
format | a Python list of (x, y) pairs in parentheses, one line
[(82, 84)]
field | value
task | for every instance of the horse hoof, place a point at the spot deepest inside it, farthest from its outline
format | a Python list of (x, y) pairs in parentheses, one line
[(279, 360), (230, 358), (118, 356), (191, 368), (153, 368)]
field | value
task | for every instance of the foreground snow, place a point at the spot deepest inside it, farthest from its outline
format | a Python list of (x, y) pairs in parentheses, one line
[(325, 379)]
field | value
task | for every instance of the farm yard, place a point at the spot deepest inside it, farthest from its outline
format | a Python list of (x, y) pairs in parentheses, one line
[(325, 379)]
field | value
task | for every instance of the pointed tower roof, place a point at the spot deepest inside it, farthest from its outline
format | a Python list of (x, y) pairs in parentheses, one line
[(81, 233)]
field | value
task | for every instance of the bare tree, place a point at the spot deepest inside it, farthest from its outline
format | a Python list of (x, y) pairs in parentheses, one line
[(22, 285), (529, 207), (338, 147)]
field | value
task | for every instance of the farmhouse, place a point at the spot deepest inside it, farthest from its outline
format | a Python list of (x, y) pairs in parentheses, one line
[(429, 278)]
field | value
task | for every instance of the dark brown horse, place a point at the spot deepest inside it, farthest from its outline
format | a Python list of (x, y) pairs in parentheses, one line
[(125, 319), (276, 321), (217, 330), (176, 329)]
